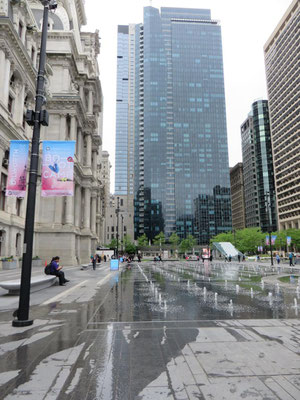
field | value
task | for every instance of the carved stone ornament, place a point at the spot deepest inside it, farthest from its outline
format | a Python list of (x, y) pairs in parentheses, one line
[(74, 87)]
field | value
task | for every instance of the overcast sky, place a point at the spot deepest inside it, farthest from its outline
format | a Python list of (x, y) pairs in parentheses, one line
[(246, 26)]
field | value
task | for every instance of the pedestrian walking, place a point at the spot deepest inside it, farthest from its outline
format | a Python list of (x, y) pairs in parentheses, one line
[(291, 255), (278, 258), (239, 257), (94, 261), (56, 270), (104, 258)]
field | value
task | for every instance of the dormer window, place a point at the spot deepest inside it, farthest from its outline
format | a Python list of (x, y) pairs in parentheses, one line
[(50, 24)]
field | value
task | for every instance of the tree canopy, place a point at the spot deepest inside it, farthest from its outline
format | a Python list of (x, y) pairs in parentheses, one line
[(159, 239), (187, 244), (174, 240), (142, 241), (128, 245), (247, 240)]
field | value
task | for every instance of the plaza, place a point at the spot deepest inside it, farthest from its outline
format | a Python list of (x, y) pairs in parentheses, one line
[(159, 330)]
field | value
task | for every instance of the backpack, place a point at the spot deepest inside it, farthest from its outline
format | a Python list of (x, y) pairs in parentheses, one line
[(48, 269)]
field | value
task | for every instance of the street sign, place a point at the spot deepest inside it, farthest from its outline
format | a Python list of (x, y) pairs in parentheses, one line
[(114, 265)]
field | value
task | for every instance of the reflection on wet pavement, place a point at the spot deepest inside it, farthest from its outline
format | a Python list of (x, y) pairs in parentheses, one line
[(159, 331)]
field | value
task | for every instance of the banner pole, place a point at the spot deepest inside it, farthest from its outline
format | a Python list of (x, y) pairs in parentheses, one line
[(23, 312)]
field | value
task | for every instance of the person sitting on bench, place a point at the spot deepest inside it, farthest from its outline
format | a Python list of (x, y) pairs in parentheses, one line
[(56, 270)]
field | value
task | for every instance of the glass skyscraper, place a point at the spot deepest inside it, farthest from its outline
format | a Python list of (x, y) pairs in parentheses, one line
[(121, 163), (125, 114), (181, 153), (259, 187)]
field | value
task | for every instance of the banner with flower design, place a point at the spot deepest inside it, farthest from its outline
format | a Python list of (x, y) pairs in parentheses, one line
[(58, 168)]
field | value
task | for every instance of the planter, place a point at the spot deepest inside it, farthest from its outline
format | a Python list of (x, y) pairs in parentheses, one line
[(10, 264), (37, 263)]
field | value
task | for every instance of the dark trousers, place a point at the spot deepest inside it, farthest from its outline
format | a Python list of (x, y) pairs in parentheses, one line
[(61, 276)]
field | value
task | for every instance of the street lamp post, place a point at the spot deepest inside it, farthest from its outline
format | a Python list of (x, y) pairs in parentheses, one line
[(268, 206), (37, 118), (122, 232), (117, 213)]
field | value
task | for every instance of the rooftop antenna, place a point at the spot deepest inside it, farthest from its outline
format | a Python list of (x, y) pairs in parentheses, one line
[(150, 1)]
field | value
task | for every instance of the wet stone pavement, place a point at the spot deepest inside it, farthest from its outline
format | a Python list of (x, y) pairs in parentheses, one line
[(158, 331)]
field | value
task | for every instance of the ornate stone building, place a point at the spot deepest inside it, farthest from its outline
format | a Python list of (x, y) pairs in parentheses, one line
[(68, 226)]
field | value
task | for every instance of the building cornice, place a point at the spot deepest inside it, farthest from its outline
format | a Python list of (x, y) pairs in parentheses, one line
[(13, 46)]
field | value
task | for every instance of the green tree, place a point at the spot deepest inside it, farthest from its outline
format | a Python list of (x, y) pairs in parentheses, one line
[(295, 235), (223, 237), (280, 242), (128, 245), (187, 244), (184, 246), (245, 240), (249, 239), (113, 244), (142, 241), (159, 239), (174, 240)]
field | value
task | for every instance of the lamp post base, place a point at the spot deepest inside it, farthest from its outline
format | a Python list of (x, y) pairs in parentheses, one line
[(18, 323)]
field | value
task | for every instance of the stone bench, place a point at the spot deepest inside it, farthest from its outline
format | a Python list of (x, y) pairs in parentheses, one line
[(85, 266), (38, 282)]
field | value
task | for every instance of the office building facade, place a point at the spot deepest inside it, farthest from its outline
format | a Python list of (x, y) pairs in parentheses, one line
[(282, 72), (259, 188), (181, 160), (237, 197), (121, 147), (124, 159)]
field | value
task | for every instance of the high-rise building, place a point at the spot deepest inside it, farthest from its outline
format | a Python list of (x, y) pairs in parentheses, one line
[(258, 168), (124, 160), (180, 125), (237, 197), (121, 153), (282, 71)]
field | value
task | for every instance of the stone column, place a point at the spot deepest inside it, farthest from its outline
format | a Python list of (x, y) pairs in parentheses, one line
[(62, 127), (90, 104), (73, 128), (34, 61), (87, 208), (94, 166), (29, 46), (2, 68), (78, 205), (93, 222), (19, 109), (6, 82), (88, 150), (70, 210), (81, 93), (79, 145), (2, 153), (23, 34)]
